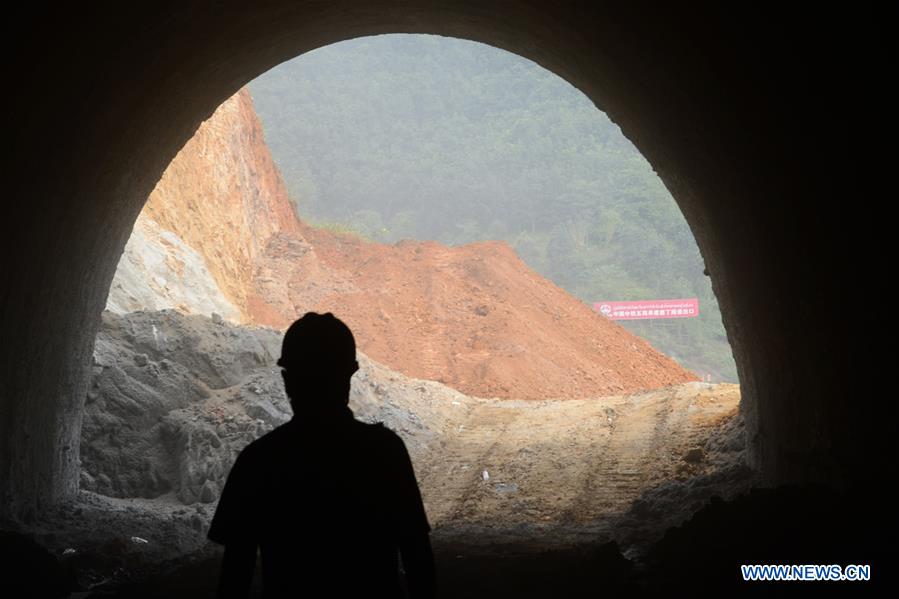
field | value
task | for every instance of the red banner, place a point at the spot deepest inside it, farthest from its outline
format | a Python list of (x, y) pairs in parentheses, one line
[(642, 310)]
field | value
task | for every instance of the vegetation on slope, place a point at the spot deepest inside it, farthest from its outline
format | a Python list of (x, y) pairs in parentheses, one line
[(432, 138)]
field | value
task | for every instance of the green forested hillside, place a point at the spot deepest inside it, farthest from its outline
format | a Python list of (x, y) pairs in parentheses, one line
[(426, 137)]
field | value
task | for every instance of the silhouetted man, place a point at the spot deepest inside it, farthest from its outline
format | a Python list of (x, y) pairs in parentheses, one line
[(328, 500)]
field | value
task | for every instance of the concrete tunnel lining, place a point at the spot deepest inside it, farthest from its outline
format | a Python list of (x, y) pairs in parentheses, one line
[(731, 126)]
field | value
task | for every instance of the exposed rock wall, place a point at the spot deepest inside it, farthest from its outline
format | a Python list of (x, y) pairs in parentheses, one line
[(160, 271), (223, 198), (175, 397)]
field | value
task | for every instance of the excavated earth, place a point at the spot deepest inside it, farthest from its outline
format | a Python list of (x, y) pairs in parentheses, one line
[(175, 397), (474, 317), (219, 234)]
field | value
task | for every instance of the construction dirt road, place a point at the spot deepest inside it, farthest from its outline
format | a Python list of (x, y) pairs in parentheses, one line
[(563, 472)]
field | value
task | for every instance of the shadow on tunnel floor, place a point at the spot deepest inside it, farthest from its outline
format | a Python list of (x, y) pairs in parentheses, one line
[(789, 525)]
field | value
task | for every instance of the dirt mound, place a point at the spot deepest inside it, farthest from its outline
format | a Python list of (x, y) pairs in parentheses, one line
[(474, 317), (175, 398)]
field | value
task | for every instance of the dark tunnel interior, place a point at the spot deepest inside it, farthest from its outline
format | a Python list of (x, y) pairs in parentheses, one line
[(767, 126)]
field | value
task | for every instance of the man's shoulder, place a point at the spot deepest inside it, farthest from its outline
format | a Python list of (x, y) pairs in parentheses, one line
[(288, 435), (381, 429), (267, 442), (379, 434)]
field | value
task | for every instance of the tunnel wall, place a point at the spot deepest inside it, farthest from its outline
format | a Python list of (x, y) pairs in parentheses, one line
[(758, 122)]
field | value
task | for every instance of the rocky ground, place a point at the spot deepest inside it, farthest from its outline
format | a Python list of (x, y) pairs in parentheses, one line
[(175, 397)]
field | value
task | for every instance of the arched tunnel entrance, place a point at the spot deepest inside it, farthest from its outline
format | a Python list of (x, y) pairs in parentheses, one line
[(733, 126), (530, 419)]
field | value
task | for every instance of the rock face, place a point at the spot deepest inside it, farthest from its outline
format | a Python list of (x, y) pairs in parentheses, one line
[(142, 436), (219, 200), (175, 397), (160, 271), (219, 235)]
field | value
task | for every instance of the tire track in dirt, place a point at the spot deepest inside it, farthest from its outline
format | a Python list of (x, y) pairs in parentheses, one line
[(568, 463), (618, 468), (454, 482)]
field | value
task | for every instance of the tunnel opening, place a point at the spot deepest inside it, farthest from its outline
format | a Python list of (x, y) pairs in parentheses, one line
[(217, 236), (523, 438), (801, 409)]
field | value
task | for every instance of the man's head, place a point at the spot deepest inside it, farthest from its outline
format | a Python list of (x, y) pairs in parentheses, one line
[(318, 357)]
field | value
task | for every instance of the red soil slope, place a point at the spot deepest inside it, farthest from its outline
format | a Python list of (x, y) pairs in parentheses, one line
[(474, 317)]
